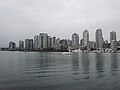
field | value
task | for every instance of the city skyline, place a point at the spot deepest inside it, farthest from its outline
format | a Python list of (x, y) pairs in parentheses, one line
[(44, 42), (22, 19), (85, 38), (43, 39)]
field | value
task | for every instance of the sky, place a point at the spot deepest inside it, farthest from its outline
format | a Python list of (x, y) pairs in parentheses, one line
[(21, 19)]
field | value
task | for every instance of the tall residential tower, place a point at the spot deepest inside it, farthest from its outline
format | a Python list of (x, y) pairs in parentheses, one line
[(99, 39), (112, 36), (75, 39), (43, 41), (86, 39), (36, 42)]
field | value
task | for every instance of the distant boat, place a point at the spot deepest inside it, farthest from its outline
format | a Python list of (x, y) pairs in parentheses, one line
[(78, 50), (66, 53)]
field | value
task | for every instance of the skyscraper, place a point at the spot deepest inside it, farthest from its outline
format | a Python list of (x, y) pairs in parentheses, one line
[(43, 41), (112, 36), (21, 45), (36, 42), (53, 42), (75, 39), (49, 42), (31, 44), (58, 44), (27, 44), (99, 39), (86, 39)]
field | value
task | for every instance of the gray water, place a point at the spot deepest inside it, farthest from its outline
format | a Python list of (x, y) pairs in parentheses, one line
[(54, 71)]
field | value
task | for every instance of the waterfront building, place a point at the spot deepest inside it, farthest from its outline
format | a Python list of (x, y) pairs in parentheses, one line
[(103, 45), (58, 41), (99, 39), (36, 43), (43, 41), (114, 45), (69, 42), (27, 44), (12, 46), (58, 44), (106, 45), (112, 36), (31, 44), (21, 45), (49, 42), (86, 39), (63, 45), (75, 39), (91, 45), (81, 42), (118, 43), (53, 42)]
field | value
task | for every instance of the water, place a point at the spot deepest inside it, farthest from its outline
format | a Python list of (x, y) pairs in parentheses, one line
[(54, 71)]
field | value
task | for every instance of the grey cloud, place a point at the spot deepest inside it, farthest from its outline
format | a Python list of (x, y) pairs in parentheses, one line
[(20, 19)]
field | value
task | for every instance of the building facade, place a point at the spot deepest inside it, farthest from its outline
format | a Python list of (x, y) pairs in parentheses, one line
[(114, 45), (112, 36), (49, 42), (27, 44), (53, 45), (86, 39), (31, 44), (99, 39), (12, 46), (21, 45), (75, 39), (43, 41), (36, 42)]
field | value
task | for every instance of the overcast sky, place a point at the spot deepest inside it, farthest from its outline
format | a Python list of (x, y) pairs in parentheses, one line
[(20, 19)]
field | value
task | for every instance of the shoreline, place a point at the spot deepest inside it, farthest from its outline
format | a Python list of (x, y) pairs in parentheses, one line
[(59, 51)]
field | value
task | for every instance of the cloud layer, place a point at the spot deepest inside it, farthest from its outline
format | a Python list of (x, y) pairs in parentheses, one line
[(20, 19)]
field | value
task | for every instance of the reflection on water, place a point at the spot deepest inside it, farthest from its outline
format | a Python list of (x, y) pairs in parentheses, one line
[(114, 64), (85, 64), (75, 66), (41, 69), (100, 65), (75, 62)]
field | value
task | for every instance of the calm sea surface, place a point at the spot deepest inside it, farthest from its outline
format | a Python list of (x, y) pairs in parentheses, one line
[(54, 71)]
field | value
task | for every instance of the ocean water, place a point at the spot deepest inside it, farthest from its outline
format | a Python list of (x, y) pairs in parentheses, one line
[(55, 71)]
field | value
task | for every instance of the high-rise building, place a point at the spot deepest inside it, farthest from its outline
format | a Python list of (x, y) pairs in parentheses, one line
[(21, 45), (75, 39), (53, 42), (43, 41), (112, 36), (12, 46), (27, 44), (49, 42), (99, 39), (86, 39), (58, 44), (36, 42), (31, 44)]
